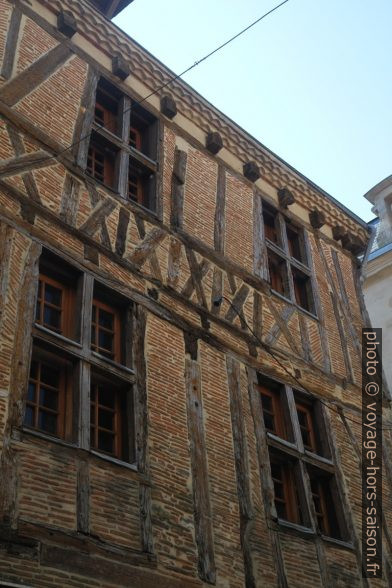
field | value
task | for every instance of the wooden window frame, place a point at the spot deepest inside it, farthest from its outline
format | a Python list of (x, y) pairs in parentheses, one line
[(141, 153), (117, 419), (64, 408), (296, 461), (306, 409), (277, 412), (107, 178), (79, 363), (280, 256), (67, 303), (116, 329)]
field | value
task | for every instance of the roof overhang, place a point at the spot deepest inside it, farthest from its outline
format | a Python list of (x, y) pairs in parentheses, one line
[(384, 185), (110, 8)]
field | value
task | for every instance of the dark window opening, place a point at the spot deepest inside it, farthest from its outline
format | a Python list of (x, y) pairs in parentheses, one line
[(141, 184), (294, 243), (270, 225), (272, 410), (101, 160), (278, 274), (302, 290), (107, 106), (306, 424), (324, 506), (286, 491), (143, 131)]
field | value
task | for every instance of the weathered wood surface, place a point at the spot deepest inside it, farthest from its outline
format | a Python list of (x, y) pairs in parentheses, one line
[(33, 76), (267, 487), (177, 189), (241, 465), (83, 496), (219, 221), (82, 130), (260, 257), (200, 479), (19, 375), (141, 423), (11, 43)]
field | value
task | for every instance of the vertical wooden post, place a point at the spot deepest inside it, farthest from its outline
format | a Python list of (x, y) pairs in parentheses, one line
[(260, 257), (141, 420), (18, 383), (82, 131), (241, 465), (199, 465)]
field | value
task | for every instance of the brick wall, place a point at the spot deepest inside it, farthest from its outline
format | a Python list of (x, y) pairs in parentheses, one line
[(40, 487)]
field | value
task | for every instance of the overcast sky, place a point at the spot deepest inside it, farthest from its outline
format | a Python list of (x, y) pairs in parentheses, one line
[(312, 81)]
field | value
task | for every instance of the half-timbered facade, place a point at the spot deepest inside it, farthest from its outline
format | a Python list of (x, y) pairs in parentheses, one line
[(180, 326)]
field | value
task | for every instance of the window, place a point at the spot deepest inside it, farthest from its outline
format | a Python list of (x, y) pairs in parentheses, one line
[(272, 410), (81, 351), (105, 330), (287, 503), (289, 274), (302, 471), (101, 161), (46, 396), (278, 274), (124, 137)]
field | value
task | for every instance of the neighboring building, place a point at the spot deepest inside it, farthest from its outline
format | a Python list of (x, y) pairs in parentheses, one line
[(377, 269), (149, 436)]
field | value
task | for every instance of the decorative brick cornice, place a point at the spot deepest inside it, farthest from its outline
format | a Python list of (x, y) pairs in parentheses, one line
[(109, 39)]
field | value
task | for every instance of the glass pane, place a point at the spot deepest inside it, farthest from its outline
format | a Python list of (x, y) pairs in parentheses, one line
[(38, 311), (52, 318), (48, 398), (53, 295), (106, 397), (106, 419), (105, 340), (47, 422), (106, 319), (94, 314), (50, 375), (31, 392), (29, 416), (92, 414), (106, 442)]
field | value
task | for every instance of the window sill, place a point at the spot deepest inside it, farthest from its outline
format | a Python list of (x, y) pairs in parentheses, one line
[(115, 364), (293, 303), (320, 458), (304, 531), (57, 336), (16, 435), (338, 542)]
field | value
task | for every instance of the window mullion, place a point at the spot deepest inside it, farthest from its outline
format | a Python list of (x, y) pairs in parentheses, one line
[(84, 405), (86, 311), (308, 497), (294, 418)]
